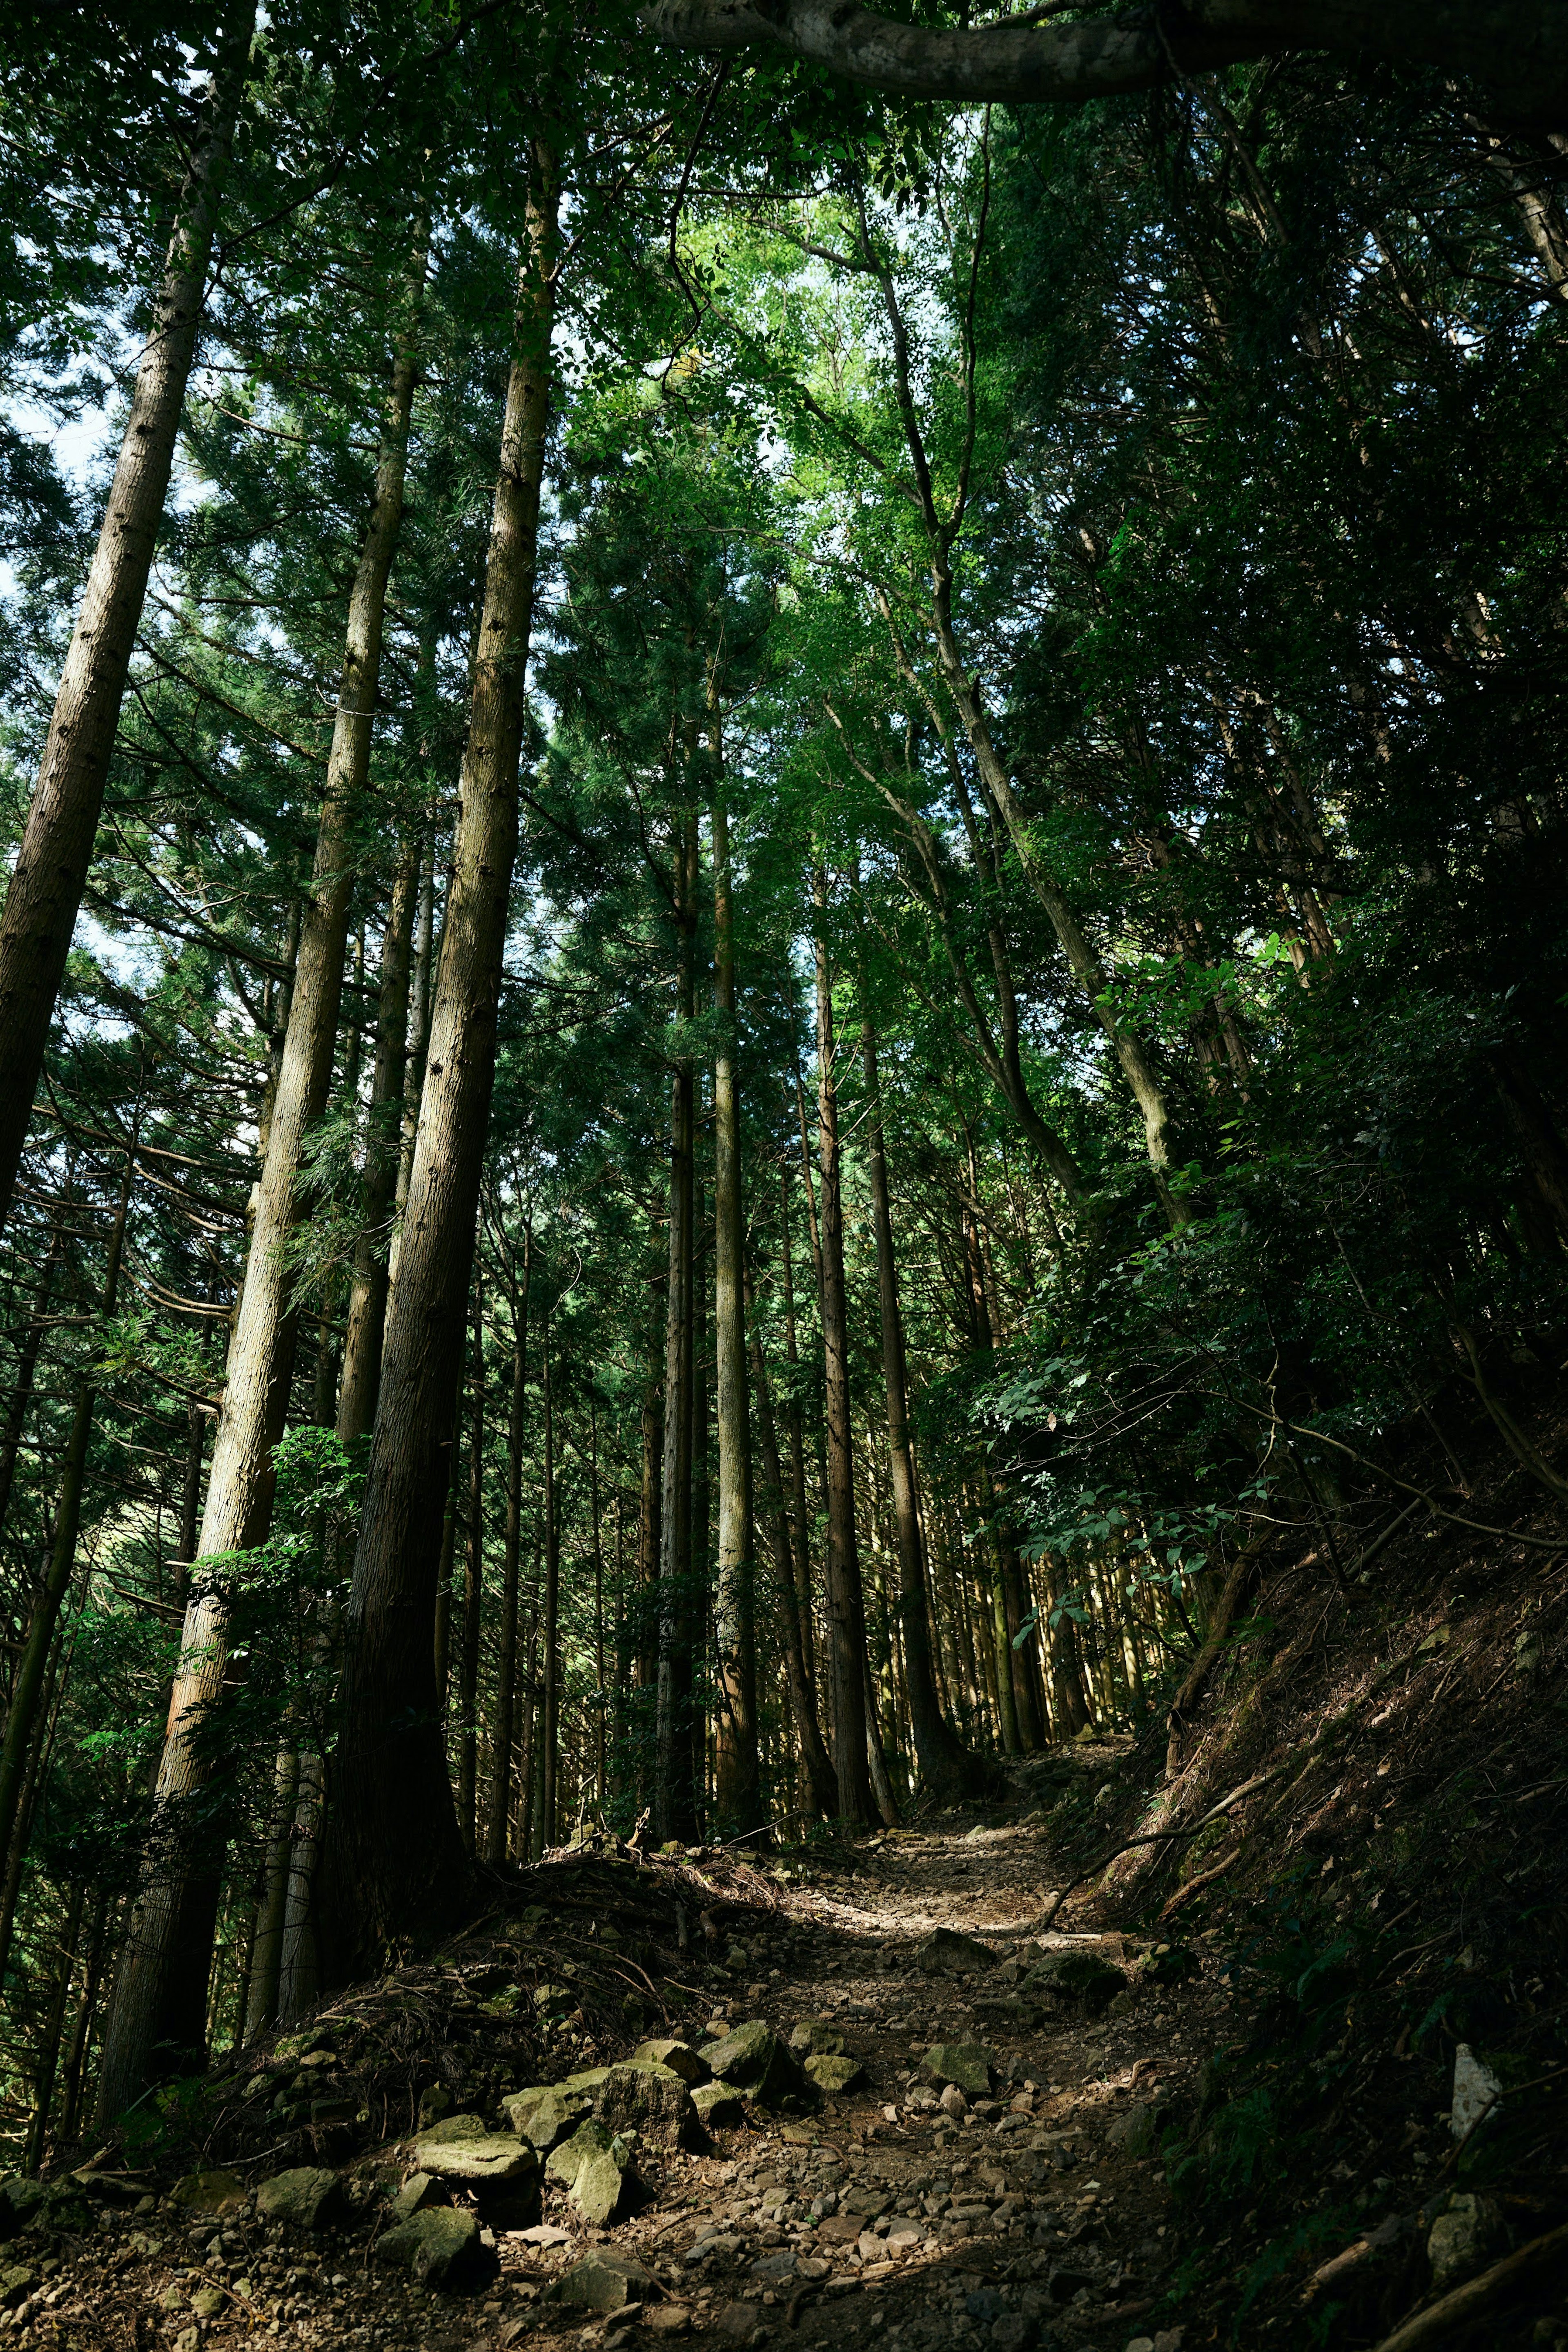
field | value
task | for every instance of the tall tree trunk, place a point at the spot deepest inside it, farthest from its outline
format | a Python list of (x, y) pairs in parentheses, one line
[(47, 2066), (26, 1367), (267, 1948), (81, 2032), (473, 1595), (675, 1813), (418, 1033), (738, 1793), (495, 1839), (846, 1605), (368, 1286), (550, 1724), (45, 890), (801, 1525), (876, 1757), (261, 1357), (28, 1689), (298, 1972), (598, 1608), (822, 1781), (649, 1542), (947, 1768), (397, 1858)]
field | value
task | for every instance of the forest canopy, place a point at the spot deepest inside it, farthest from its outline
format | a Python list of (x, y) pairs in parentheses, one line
[(784, 820)]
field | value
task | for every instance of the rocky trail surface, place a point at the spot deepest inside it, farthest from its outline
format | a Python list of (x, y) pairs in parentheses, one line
[(853, 2097)]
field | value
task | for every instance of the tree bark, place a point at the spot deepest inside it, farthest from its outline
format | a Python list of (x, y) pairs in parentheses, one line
[(261, 1357), (46, 2067), (496, 1838), (28, 1689), (549, 1725), (368, 1286), (1516, 50), (675, 1813), (947, 1768), (81, 2032), (821, 1778), (397, 1859), (473, 1596), (267, 1946), (44, 894), (846, 1603), (26, 1367), (737, 1785)]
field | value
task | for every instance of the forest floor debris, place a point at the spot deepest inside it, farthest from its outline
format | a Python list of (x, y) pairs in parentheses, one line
[(1329, 2115)]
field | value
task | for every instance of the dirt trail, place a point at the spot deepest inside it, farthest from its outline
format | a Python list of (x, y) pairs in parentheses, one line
[(1028, 2216)]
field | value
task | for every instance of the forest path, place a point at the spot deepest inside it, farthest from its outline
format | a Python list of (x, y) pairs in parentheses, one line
[(1034, 2216), (1029, 2216)]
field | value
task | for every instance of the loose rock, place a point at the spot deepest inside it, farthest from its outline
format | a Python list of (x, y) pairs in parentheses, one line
[(946, 1953), (965, 2064), (310, 2197), (438, 2248), (756, 2061), (677, 2057), (603, 2281), (651, 2100)]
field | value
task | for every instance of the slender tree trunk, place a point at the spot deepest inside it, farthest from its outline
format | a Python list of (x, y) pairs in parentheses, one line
[(549, 1727), (47, 2066), (598, 1608), (1071, 1707), (821, 1778), (876, 1755), (396, 1855), (738, 1793), (44, 894), (17, 1855), (26, 1691), (649, 1541), (495, 1839), (81, 2032), (299, 1969), (801, 1525), (674, 1808), (26, 1367), (846, 1605), (1001, 1648), (261, 1357), (266, 1949), (418, 1033), (947, 1769), (473, 1595), (368, 1286)]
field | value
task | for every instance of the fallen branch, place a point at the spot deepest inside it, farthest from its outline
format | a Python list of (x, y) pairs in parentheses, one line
[(1241, 1569), (1455, 1518), (1162, 1837), (1479, 2296), (1204, 1878)]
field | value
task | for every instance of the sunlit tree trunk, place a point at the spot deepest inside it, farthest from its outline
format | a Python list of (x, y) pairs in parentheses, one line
[(396, 1858), (675, 1814), (261, 1355), (550, 1715), (846, 1605), (497, 1828), (822, 1781), (946, 1770), (473, 1595), (44, 893), (739, 1791)]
